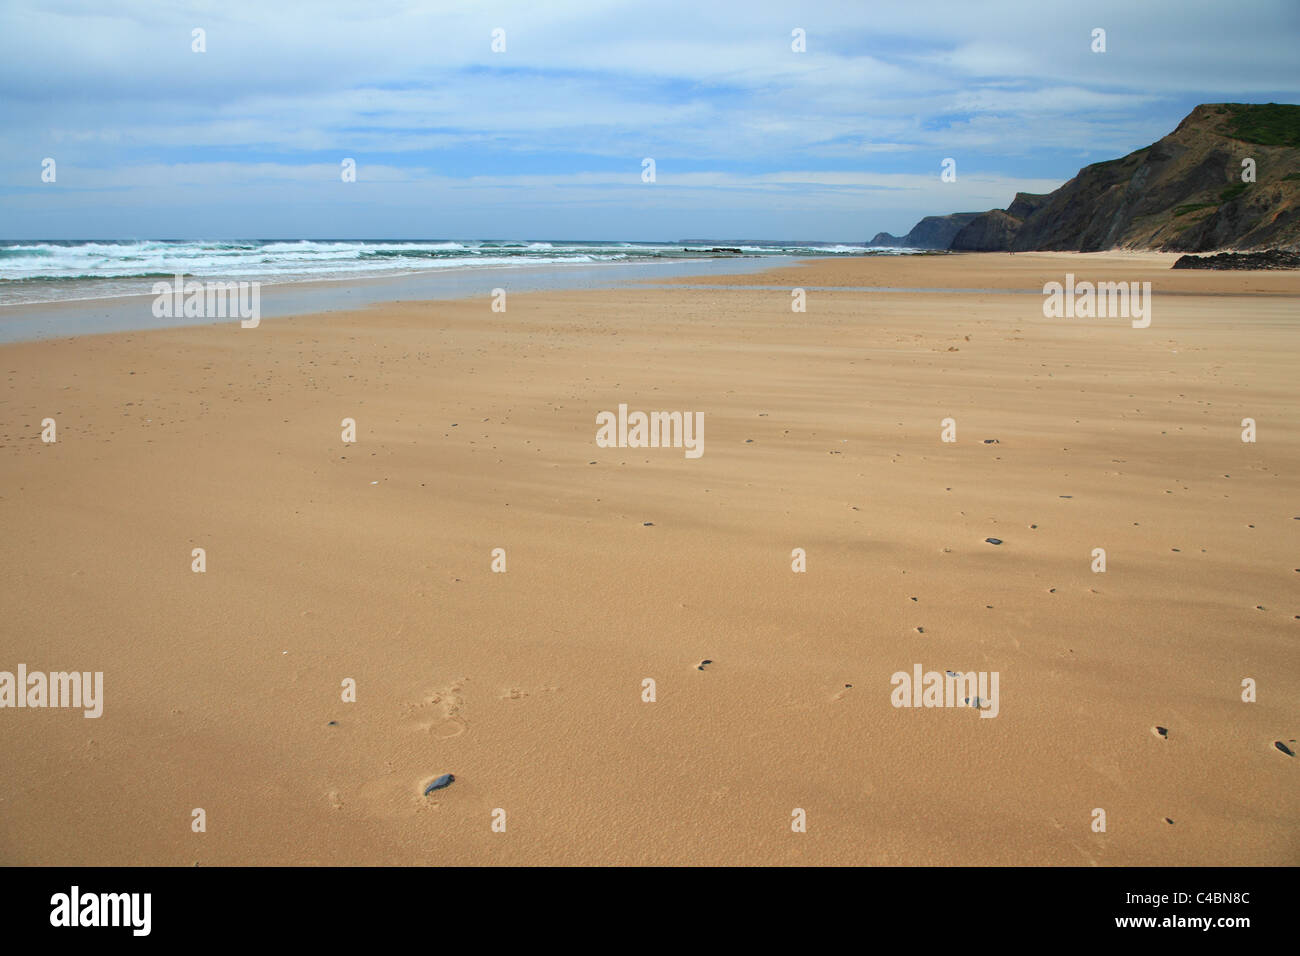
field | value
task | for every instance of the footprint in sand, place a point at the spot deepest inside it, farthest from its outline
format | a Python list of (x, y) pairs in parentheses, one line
[(439, 715)]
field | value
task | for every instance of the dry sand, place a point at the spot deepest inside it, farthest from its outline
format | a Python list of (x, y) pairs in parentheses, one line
[(476, 430)]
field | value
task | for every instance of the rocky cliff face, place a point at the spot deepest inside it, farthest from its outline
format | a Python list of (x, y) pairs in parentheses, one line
[(988, 232), (1182, 194), (932, 232)]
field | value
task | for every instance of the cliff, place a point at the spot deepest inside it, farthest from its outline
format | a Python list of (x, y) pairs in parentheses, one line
[(1183, 193)]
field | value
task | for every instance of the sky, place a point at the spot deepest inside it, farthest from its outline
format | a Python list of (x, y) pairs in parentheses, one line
[(546, 139)]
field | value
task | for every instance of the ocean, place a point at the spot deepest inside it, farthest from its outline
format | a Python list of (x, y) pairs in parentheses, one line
[(69, 270)]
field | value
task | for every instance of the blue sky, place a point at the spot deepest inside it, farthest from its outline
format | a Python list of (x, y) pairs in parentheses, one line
[(546, 139)]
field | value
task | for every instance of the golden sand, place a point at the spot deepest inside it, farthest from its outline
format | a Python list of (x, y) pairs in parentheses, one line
[(476, 430)]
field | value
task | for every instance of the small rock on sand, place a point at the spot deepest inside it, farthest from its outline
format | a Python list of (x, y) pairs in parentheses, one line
[(438, 783)]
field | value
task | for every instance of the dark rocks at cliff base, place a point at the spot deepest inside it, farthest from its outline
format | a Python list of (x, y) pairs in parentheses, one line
[(1269, 259)]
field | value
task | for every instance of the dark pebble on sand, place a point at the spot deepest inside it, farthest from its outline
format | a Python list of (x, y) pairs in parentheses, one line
[(993, 540), (1163, 731), (1284, 748), (991, 441), (647, 524), (702, 665), (332, 723), (446, 780)]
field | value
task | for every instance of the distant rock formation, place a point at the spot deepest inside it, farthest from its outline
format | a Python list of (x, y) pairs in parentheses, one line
[(1184, 193), (932, 232)]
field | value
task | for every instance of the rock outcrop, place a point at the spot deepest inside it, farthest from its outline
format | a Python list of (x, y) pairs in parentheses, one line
[(932, 232), (1184, 193)]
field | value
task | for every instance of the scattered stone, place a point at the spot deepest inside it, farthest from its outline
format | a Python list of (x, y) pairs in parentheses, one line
[(647, 524), (920, 630), (703, 664), (1284, 748), (1168, 821), (446, 780), (992, 441), (993, 540), (332, 723), (1065, 496), (1161, 731)]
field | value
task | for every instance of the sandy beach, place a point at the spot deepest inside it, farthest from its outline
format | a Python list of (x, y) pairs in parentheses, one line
[(372, 561)]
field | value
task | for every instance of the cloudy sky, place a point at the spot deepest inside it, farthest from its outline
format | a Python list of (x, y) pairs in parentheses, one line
[(546, 140)]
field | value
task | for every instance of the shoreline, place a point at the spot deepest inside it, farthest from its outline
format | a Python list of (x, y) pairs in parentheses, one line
[(121, 314), (131, 313)]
